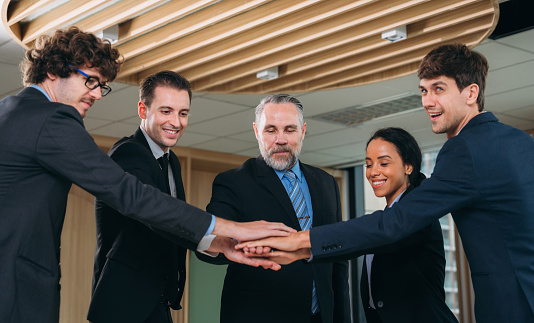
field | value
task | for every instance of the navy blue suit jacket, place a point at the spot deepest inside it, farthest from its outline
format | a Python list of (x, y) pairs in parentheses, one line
[(484, 176), (254, 192), (135, 266), (407, 279), (44, 149)]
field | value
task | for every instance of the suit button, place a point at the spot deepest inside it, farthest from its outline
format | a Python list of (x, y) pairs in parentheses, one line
[(340, 245), (324, 248), (380, 304)]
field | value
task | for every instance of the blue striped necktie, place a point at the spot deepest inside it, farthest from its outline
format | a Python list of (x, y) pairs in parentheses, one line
[(299, 204)]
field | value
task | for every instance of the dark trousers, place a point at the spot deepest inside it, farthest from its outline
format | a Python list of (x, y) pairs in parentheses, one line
[(160, 314)]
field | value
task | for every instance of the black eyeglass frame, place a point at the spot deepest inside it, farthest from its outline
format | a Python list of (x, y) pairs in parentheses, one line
[(104, 89)]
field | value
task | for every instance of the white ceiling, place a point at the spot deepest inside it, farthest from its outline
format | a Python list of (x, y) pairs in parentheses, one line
[(223, 122)]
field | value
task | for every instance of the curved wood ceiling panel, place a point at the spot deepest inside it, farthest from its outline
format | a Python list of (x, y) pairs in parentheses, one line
[(221, 45)]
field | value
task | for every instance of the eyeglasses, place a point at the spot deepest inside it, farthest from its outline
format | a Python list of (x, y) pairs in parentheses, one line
[(92, 83)]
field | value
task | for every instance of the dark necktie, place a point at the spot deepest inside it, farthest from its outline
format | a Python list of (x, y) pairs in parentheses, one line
[(164, 163)]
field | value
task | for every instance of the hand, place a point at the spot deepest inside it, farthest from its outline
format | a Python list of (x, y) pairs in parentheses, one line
[(227, 246), (293, 242), (250, 230), (284, 257)]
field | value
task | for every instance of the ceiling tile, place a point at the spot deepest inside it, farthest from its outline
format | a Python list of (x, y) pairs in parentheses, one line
[(508, 79), (12, 53), (245, 136), (522, 40), (226, 125), (526, 113), (115, 129), (94, 123), (245, 100), (118, 105), (11, 83), (315, 127), (500, 55), (510, 100), (190, 139), (225, 145), (203, 109), (326, 101)]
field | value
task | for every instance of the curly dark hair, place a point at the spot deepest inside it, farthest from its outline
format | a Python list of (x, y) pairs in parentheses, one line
[(407, 148), (459, 63), (63, 52)]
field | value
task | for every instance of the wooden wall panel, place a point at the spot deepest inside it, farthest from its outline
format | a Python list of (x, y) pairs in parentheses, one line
[(77, 253)]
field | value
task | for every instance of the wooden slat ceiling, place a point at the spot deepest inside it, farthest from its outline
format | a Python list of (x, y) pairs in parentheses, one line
[(221, 45)]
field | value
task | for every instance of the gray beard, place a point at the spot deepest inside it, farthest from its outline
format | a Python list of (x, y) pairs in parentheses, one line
[(280, 164)]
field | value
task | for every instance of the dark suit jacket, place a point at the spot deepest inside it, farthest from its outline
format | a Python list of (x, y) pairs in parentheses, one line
[(254, 192), (44, 149), (484, 176), (134, 265), (407, 279)]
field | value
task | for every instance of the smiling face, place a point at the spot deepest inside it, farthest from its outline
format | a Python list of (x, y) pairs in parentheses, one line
[(280, 134), (449, 108), (166, 118), (385, 170), (72, 90)]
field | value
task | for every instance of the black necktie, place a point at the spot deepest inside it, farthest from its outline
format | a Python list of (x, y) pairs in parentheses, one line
[(164, 163)]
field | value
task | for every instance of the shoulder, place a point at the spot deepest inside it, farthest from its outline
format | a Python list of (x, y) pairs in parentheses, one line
[(129, 145)]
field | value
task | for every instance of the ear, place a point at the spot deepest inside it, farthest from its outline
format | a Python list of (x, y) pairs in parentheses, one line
[(255, 130), (51, 76), (303, 130), (141, 109), (472, 94), (408, 169)]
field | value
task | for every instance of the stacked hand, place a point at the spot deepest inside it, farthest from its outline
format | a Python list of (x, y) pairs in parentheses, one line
[(263, 243), (281, 250)]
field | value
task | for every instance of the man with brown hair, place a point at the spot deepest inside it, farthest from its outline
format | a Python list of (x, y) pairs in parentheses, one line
[(45, 148), (484, 177)]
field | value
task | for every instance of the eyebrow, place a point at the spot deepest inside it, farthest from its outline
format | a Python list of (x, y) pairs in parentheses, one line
[(434, 84), (379, 157)]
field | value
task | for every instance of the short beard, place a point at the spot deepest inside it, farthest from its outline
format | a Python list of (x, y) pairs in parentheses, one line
[(280, 164)]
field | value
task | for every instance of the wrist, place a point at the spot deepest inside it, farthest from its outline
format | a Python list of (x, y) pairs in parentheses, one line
[(303, 239)]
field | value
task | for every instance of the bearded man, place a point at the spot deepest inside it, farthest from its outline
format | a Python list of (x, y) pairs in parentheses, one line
[(277, 187)]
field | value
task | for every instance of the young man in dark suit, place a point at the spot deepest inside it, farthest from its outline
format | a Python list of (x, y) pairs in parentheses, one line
[(277, 187), (484, 176), (138, 273), (45, 148)]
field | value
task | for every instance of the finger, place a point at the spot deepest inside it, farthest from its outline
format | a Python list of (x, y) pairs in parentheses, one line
[(253, 244)]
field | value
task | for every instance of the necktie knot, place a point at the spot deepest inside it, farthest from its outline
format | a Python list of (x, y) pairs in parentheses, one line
[(291, 176)]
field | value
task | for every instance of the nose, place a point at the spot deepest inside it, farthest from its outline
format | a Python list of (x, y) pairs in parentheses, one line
[(96, 93), (428, 100), (374, 170), (281, 139)]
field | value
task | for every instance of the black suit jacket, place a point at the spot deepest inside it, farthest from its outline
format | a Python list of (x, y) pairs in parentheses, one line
[(407, 279), (254, 192), (44, 149), (484, 177), (134, 265)]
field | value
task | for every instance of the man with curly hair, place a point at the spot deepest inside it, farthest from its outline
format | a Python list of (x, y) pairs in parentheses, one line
[(45, 148)]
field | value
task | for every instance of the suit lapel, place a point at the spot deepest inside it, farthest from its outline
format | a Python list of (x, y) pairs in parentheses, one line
[(314, 186), (268, 178)]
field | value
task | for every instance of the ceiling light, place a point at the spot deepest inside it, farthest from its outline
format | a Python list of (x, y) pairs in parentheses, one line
[(395, 35), (268, 74), (111, 34)]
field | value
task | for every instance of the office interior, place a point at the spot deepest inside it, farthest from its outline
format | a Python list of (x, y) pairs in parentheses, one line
[(340, 118)]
